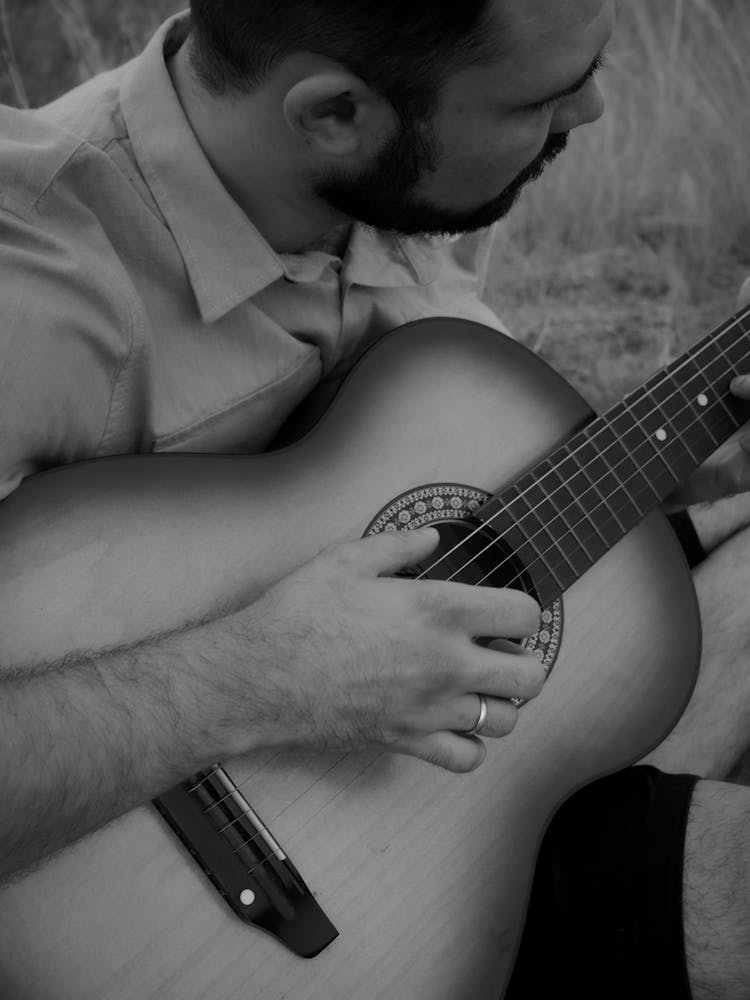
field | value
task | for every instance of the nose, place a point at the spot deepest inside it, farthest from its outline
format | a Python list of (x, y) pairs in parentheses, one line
[(580, 109)]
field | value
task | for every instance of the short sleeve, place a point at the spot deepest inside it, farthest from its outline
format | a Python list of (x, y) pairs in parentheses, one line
[(64, 340)]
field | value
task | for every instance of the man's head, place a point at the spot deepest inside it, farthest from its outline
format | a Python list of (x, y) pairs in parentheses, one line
[(419, 118)]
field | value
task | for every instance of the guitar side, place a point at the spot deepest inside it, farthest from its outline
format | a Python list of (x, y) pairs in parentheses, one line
[(425, 874)]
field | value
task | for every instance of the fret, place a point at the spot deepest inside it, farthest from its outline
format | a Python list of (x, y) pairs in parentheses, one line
[(737, 348), (553, 555), (731, 339), (629, 480), (695, 419), (686, 418), (716, 420), (638, 451), (664, 392), (580, 501), (564, 480), (730, 365), (637, 429), (605, 485), (574, 473), (711, 365), (544, 514), (703, 399)]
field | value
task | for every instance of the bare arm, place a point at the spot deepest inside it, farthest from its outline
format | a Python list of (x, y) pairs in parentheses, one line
[(333, 654), (86, 739)]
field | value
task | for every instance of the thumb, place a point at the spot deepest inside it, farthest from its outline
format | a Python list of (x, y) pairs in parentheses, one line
[(744, 296), (390, 551)]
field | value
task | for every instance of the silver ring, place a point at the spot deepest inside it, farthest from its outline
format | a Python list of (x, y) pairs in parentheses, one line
[(476, 729)]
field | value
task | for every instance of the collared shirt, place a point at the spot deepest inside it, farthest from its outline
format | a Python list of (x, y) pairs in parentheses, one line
[(143, 311)]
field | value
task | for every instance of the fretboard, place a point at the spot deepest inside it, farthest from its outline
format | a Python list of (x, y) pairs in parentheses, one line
[(571, 508)]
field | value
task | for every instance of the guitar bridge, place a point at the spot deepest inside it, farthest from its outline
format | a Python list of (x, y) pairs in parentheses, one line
[(245, 863)]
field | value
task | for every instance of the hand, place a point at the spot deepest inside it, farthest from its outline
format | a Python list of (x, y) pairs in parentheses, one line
[(339, 655), (727, 471)]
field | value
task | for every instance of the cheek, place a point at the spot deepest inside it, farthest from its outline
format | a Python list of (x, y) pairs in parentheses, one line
[(492, 159), (526, 140)]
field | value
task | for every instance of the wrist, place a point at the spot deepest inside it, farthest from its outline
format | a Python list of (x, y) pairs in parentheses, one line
[(212, 675)]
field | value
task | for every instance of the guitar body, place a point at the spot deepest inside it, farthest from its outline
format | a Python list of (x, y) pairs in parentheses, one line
[(425, 874)]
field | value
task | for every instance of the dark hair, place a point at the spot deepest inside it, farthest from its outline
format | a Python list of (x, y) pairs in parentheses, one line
[(404, 49)]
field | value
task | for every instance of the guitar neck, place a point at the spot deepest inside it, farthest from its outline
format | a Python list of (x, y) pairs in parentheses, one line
[(571, 508)]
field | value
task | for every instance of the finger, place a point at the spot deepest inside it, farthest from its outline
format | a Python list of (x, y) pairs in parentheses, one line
[(459, 754), (740, 386), (490, 611), (506, 675), (744, 296), (500, 719), (387, 552), (505, 646)]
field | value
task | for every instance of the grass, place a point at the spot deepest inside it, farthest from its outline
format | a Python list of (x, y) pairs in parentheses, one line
[(631, 246), (635, 242)]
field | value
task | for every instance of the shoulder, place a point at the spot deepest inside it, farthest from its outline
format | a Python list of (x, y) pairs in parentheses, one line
[(71, 150), (66, 345), (32, 153), (56, 175)]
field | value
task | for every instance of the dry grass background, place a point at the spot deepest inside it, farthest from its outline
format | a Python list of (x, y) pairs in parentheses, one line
[(634, 243), (631, 246)]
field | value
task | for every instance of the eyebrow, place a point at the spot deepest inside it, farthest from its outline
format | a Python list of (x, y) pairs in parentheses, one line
[(578, 85)]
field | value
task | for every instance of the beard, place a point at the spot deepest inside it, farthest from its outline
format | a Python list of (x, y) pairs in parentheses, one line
[(382, 196)]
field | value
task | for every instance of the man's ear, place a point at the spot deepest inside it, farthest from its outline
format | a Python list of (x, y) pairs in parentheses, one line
[(337, 113)]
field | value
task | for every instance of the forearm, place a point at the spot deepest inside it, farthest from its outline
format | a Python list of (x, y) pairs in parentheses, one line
[(85, 740)]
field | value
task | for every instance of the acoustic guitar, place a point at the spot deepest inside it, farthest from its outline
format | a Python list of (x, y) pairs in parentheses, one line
[(364, 876)]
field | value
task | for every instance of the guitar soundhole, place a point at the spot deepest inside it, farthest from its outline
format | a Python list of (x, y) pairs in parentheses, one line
[(469, 552)]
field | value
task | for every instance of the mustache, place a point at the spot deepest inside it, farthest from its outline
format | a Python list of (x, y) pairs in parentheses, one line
[(552, 148)]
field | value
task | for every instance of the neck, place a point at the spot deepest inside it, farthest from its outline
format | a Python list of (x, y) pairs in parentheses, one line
[(256, 159)]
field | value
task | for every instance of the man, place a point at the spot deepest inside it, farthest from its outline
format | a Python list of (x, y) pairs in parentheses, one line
[(186, 253)]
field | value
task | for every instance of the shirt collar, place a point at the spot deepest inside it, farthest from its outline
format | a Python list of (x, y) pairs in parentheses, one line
[(381, 259), (227, 259)]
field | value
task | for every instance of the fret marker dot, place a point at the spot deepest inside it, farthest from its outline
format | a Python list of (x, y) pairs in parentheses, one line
[(661, 434), (247, 897), (703, 400)]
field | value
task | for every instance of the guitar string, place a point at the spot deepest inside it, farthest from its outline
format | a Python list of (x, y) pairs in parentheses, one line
[(590, 439), (293, 838), (733, 322), (604, 504), (540, 556), (607, 503), (714, 407), (593, 483), (730, 325), (289, 842), (538, 483)]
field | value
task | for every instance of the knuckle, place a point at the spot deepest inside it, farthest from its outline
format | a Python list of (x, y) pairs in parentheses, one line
[(463, 761), (509, 718), (432, 602), (459, 758), (443, 758), (534, 676), (519, 677), (529, 612), (517, 613), (346, 554)]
